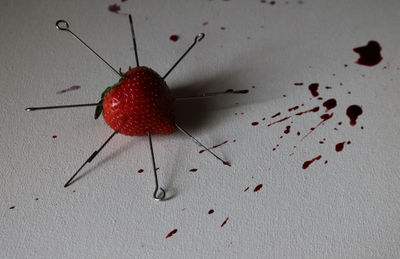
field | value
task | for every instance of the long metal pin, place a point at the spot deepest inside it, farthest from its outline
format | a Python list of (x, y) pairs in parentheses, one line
[(134, 40), (155, 196), (204, 95), (64, 26), (197, 39), (201, 145), (61, 106), (95, 153)]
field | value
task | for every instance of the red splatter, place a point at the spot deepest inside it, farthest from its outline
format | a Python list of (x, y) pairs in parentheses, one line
[(348, 142), (313, 89), (339, 123), (326, 161), (54, 136), (287, 130), (298, 83), (329, 104), (223, 28), (353, 111), (205, 23), (245, 190), (173, 232), (324, 118), (244, 91), (339, 146), (308, 163), (72, 88), (12, 207), (298, 133), (293, 108), (258, 187), (211, 211), (370, 55), (140, 171), (36, 199), (272, 3), (201, 151), (315, 109), (328, 87), (254, 123), (193, 170), (114, 8), (74, 191), (276, 115), (174, 37), (223, 223)]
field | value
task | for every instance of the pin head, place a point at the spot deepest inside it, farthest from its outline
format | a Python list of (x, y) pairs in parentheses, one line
[(62, 25)]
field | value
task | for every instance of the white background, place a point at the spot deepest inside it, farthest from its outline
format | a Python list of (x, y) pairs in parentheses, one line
[(347, 208)]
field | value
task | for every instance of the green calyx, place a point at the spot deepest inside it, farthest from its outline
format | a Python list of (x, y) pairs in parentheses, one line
[(99, 108)]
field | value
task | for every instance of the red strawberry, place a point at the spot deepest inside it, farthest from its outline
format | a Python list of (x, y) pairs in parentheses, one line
[(140, 102)]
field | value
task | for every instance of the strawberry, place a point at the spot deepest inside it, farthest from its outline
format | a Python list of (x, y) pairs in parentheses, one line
[(139, 103)]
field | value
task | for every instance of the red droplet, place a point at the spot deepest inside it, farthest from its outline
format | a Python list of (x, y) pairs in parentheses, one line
[(244, 91), (205, 23), (339, 146), (247, 188), (223, 28), (353, 111), (140, 171), (173, 232), (329, 104), (313, 89), (114, 8), (370, 55), (174, 37), (12, 207), (223, 223), (36, 199), (54, 136), (287, 130), (255, 123), (298, 83), (276, 115), (293, 108), (211, 211), (226, 141), (328, 87), (272, 2), (326, 161), (309, 162), (258, 187), (193, 170), (74, 191)]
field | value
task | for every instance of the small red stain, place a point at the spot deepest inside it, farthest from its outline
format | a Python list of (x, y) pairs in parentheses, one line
[(223, 223), (174, 37), (211, 211), (247, 188), (54, 137), (293, 108), (313, 89), (74, 191), (272, 3), (306, 164), (276, 115), (173, 232), (258, 187), (255, 123), (223, 28), (339, 146), (140, 171), (205, 23), (326, 161), (298, 83), (36, 199), (353, 111), (114, 8), (193, 170), (287, 130), (226, 141), (12, 207)]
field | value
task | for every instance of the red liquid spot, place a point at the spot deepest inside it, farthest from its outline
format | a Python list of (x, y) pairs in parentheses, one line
[(284, 95), (245, 190), (287, 130), (293, 108), (281, 137), (313, 89), (223, 28), (272, 3), (362, 127), (74, 191), (298, 133), (254, 123), (140, 171), (339, 146), (345, 65), (114, 8), (205, 23), (348, 142), (234, 141), (276, 115), (353, 111), (324, 118), (223, 223), (12, 207), (173, 232), (315, 109), (211, 211), (36, 199), (326, 161), (308, 163), (245, 91), (329, 104), (321, 142), (193, 170), (54, 136), (201, 151), (298, 83), (174, 37), (263, 119), (258, 187), (328, 87), (339, 123), (72, 88), (263, 1), (370, 55)]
